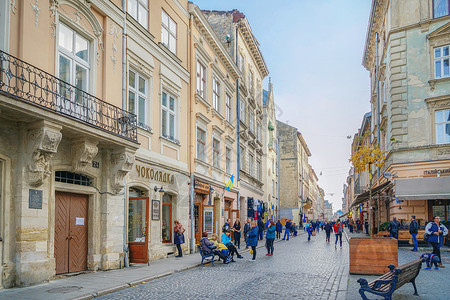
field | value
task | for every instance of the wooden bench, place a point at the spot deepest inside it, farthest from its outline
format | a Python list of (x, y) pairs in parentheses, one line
[(386, 284), (206, 257)]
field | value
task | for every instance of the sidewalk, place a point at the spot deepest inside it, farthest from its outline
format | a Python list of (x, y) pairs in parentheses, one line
[(95, 284)]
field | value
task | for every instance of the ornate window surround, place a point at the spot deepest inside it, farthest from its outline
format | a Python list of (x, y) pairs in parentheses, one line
[(435, 104)]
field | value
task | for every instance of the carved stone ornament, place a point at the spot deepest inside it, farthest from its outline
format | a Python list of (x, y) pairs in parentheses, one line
[(121, 164), (83, 152), (36, 10), (42, 143)]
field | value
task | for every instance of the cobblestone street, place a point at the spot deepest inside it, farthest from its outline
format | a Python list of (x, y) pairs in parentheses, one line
[(298, 270)]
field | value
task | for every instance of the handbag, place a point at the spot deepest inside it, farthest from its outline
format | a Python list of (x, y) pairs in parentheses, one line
[(313, 233), (426, 236), (411, 242), (251, 251)]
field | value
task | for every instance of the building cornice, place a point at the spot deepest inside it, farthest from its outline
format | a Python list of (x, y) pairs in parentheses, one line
[(376, 18)]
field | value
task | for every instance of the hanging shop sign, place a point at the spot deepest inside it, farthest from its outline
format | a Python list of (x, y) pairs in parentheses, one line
[(152, 174), (198, 185)]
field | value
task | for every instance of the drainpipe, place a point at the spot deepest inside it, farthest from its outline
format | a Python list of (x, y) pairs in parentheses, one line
[(191, 147), (378, 99), (124, 101), (238, 149)]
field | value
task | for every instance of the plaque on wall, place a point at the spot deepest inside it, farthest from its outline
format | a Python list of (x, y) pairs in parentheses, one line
[(35, 199), (155, 210)]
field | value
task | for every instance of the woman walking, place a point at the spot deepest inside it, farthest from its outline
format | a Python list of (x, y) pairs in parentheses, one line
[(179, 237), (338, 229), (437, 231), (237, 233), (253, 238), (270, 237), (328, 229)]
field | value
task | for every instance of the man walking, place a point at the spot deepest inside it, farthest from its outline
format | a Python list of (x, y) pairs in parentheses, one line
[(247, 228), (413, 229), (338, 229), (288, 230), (436, 232), (260, 229), (393, 228), (350, 225), (279, 229)]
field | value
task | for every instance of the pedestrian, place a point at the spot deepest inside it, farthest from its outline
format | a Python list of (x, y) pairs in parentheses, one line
[(413, 230), (393, 228), (328, 229), (338, 229), (309, 230), (237, 233), (318, 226), (226, 226), (179, 237), (313, 223), (350, 224), (261, 229), (279, 229), (253, 239), (366, 226), (287, 230), (358, 224), (209, 246), (246, 230), (226, 240), (270, 237), (294, 229), (436, 232)]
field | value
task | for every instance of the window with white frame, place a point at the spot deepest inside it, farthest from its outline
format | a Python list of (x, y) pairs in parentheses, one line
[(201, 79), (252, 121), (241, 157), (442, 119), (228, 156), (440, 8), (168, 116), (250, 164), (216, 153), (216, 94), (441, 62), (73, 62), (251, 82), (273, 187), (258, 131), (228, 108), (201, 143), (258, 170), (137, 96), (169, 32), (242, 111), (241, 63), (138, 9)]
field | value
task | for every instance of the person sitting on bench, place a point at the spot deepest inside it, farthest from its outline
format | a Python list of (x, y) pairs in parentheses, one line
[(208, 247), (226, 240)]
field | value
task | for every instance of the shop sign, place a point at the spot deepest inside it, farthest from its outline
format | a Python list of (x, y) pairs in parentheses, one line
[(437, 171), (152, 174), (201, 186)]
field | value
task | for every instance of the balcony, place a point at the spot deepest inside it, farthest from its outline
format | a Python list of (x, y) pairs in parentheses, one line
[(307, 204), (24, 82)]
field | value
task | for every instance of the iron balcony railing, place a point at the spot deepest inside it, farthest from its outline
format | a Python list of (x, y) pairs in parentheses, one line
[(23, 81)]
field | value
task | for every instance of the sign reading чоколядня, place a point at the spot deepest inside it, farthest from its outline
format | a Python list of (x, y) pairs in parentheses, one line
[(152, 174)]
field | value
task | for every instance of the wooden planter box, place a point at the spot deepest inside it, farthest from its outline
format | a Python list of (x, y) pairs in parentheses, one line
[(371, 256)]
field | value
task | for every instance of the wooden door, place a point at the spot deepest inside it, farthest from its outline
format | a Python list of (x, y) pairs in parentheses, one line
[(198, 221), (138, 214), (71, 232)]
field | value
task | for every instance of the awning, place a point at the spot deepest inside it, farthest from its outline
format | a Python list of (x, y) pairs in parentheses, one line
[(365, 196), (422, 188), (341, 216)]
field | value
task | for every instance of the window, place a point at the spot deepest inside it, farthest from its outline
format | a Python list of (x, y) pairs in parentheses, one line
[(241, 157), (228, 160), (440, 8), (216, 153), (250, 83), (242, 63), (441, 62), (258, 132), (216, 94), (242, 111), (168, 118), (442, 126), (258, 170), (201, 141), (169, 32), (138, 9), (201, 79), (166, 219), (73, 62), (250, 164), (252, 121), (273, 187), (137, 96), (228, 108)]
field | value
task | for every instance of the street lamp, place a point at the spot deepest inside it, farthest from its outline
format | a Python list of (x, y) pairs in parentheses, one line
[(161, 190)]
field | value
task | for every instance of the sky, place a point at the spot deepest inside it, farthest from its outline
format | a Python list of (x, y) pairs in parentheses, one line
[(313, 50)]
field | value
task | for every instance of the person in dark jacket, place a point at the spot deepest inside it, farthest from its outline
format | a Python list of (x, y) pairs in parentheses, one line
[(279, 229), (270, 237), (287, 230), (253, 239), (413, 230), (358, 225), (436, 232), (237, 233), (261, 229), (366, 226), (246, 230), (208, 247), (309, 230), (179, 237), (393, 228), (318, 226), (328, 229)]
